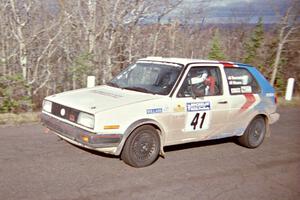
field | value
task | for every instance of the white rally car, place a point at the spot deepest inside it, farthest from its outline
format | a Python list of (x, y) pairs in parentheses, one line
[(157, 102)]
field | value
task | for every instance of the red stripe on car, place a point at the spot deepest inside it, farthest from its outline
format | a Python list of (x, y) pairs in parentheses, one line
[(226, 64), (250, 99)]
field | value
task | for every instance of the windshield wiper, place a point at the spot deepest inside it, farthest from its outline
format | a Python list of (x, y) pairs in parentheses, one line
[(138, 89), (112, 84)]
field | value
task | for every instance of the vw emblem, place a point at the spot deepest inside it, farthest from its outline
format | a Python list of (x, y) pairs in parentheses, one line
[(62, 112)]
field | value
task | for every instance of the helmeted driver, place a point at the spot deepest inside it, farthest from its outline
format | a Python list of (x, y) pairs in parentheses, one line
[(203, 83)]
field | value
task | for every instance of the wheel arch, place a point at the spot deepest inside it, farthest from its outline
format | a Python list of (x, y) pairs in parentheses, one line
[(266, 118), (137, 124), (250, 133)]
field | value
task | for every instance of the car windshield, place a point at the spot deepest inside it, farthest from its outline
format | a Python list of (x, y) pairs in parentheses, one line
[(148, 77)]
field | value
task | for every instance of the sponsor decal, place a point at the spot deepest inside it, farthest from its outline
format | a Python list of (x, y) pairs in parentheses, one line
[(198, 106), (238, 80), (154, 110), (246, 89), (235, 82), (235, 90), (270, 94), (179, 108)]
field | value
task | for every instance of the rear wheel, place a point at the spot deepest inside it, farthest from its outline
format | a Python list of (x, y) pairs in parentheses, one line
[(142, 147), (254, 134)]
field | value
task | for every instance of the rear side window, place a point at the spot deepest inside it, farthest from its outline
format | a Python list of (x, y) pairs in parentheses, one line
[(241, 81)]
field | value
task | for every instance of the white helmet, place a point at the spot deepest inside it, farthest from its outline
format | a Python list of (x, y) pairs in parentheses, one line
[(200, 77)]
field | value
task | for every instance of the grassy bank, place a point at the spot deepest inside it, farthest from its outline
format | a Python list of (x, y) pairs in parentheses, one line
[(13, 119), (294, 103)]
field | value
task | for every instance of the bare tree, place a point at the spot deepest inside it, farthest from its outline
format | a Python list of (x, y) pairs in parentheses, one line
[(6, 52), (54, 45), (18, 22), (168, 7), (288, 25)]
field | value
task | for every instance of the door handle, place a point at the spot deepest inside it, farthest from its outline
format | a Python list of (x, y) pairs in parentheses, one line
[(222, 102)]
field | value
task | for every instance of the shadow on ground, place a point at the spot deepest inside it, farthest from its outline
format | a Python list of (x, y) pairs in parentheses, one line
[(178, 147), (199, 144)]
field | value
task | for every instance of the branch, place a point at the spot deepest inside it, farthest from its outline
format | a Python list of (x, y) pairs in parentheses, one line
[(289, 33), (16, 18), (287, 41), (81, 17), (14, 32), (51, 40), (36, 35), (15, 15), (44, 82), (7, 58)]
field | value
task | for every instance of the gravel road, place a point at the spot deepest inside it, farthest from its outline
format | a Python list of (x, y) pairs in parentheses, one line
[(39, 166)]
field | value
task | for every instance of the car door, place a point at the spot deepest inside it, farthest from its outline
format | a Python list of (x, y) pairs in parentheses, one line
[(200, 108)]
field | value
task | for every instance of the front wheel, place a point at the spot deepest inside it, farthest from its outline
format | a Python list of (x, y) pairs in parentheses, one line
[(254, 134), (142, 147)]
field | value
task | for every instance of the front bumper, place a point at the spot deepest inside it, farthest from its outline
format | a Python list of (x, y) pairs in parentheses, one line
[(107, 143)]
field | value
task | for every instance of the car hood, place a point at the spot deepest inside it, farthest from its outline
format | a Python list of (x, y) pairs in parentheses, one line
[(101, 98)]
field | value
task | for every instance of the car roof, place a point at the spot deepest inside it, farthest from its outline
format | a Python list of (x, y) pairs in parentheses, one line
[(186, 61)]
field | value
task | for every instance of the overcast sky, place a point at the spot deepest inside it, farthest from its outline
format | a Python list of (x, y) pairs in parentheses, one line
[(218, 11)]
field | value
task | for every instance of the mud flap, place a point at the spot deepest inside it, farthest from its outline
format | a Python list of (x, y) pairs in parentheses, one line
[(268, 130)]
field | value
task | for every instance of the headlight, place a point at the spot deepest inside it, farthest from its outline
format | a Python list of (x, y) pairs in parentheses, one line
[(85, 119), (47, 106)]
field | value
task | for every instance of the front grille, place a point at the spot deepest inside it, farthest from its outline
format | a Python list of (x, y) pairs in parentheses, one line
[(62, 128), (65, 112), (75, 133)]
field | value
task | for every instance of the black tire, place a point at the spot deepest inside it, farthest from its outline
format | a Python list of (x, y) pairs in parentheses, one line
[(254, 134), (142, 147)]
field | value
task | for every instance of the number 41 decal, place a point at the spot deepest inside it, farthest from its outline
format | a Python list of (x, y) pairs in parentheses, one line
[(197, 121)]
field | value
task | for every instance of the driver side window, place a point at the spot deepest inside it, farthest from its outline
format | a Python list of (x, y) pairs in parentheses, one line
[(202, 81)]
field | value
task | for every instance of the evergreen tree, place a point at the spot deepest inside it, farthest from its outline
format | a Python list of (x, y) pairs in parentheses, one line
[(13, 94), (216, 52), (255, 42), (81, 68)]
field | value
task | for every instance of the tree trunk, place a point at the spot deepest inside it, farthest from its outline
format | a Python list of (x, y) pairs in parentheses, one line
[(23, 58), (276, 63), (155, 41), (107, 69), (92, 4)]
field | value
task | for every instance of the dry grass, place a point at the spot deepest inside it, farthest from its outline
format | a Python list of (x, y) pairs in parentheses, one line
[(295, 102), (13, 119)]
